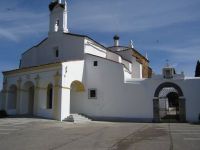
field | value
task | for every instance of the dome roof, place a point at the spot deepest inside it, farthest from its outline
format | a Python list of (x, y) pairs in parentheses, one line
[(116, 37)]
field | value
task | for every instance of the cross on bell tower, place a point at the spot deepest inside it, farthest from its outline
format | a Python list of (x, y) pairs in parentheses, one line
[(167, 63)]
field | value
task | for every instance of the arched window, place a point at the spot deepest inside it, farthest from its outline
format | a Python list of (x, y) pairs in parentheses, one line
[(50, 96), (57, 53), (57, 26)]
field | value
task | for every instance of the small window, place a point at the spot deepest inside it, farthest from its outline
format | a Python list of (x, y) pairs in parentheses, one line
[(57, 22), (56, 52), (50, 96), (56, 25), (95, 63), (92, 94)]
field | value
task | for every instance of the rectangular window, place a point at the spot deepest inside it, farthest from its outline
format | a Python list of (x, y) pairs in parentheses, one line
[(49, 96), (92, 94), (57, 22), (95, 63), (56, 52)]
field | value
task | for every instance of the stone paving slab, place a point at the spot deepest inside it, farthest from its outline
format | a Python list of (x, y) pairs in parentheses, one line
[(42, 134)]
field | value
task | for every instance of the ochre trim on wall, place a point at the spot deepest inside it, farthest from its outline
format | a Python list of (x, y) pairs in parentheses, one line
[(40, 88), (32, 68), (62, 87)]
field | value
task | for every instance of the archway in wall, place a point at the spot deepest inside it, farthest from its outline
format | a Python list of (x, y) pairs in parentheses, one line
[(12, 98), (76, 92), (169, 103), (28, 98)]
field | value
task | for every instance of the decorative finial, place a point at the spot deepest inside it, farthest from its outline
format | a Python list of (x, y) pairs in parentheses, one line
[(116, 40), (146, 56), (131, 44), (116, 37), (167, 62), (65, 5)]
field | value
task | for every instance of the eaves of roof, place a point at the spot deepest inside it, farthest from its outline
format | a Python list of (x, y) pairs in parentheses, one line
[(35, 46), (128, 48)]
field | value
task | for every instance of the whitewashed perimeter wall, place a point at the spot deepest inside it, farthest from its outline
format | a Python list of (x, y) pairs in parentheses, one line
[(114, 98), (70, 48), (190, 89), (126, 100)]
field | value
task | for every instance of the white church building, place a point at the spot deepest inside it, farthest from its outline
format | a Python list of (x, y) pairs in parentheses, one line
[(69, 73)]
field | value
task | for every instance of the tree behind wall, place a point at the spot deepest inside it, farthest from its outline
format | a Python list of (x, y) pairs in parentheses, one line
[(197, 71)]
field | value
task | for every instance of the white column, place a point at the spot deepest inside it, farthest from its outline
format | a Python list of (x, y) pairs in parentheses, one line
[(36, 94), (6, 92), (18, 95), (57, 97)]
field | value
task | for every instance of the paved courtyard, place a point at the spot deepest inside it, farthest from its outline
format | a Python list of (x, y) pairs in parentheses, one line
[(41, 134)]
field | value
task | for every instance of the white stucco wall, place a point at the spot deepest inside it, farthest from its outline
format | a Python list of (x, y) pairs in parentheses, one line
[(29, 58), (132, 99), (113, 56), (70, 47), (57, 14), (128, 65), (93, 48), (126, 54), (118, 96), (127, 74), (190, 91), (136, 66), (71, 71), (114, 97), (136, 69)]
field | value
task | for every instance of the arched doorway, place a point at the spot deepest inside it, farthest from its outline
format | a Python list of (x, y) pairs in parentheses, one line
[(28, 98), (12, 98), (169, 103), (77, 89), (173, 107)]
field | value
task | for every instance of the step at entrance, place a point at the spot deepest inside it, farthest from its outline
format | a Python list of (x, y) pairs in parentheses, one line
[(77, 118)]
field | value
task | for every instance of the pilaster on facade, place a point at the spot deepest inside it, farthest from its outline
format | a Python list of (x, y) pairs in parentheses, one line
[(36, 94), (182, 110), (19, 81), (156, 115), (4, 94), (56, 89)]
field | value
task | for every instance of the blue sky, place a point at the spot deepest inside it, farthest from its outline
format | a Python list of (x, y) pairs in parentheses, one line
[(164, 29)]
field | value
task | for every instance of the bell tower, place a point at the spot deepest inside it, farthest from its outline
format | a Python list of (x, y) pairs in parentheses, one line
[(58, 17)]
